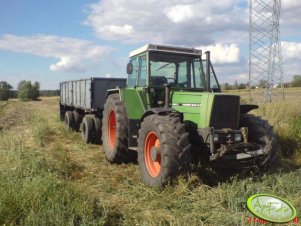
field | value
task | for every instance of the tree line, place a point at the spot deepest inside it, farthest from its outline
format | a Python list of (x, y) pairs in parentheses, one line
[(31, 91), (26, 91), (296, 82)]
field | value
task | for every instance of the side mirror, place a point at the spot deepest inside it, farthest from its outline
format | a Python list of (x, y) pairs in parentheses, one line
[(129, 68)]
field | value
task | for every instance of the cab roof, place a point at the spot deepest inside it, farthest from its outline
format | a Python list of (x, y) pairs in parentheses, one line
[(165, 48)]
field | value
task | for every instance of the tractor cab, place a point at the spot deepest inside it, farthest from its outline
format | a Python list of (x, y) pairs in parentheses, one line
[(179, 68)]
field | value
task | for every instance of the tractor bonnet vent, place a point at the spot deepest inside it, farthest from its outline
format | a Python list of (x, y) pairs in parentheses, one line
[(225, 112)]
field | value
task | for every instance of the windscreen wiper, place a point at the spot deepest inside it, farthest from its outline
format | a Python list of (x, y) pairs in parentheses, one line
[(163, 66)]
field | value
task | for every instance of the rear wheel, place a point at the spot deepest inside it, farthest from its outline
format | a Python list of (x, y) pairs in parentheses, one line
[(77, 120), (69, 120), (62, 113), (260, 132), (87, 129), (97, 130), (115, 131), (163, 149)]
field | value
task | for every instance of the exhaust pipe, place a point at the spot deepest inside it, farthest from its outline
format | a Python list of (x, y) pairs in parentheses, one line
[(208, 63), (167, 96)]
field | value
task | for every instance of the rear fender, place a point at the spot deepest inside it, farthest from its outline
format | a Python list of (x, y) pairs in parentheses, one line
[(112, 91)]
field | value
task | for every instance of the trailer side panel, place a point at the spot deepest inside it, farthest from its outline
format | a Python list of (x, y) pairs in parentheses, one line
[(88, 94)]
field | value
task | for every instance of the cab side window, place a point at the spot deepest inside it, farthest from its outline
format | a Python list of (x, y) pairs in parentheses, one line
[(132, 78), (142, 71)]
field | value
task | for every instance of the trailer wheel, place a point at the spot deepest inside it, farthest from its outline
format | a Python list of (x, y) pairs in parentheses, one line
[(163, 149), (69, 120), (62, 113), (87, 129), (115, 131), (97, 130), (77, 120), (261, 132)]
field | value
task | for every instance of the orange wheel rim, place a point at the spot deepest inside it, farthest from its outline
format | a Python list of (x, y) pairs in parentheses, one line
[(112, 129), (153, 166)]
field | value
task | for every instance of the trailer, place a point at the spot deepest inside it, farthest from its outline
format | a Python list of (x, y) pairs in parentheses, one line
[(82, 101)]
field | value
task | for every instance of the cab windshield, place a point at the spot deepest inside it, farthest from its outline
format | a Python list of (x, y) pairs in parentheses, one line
[(185, 71)]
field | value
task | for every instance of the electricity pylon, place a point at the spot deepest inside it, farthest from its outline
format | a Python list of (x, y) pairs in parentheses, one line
[(265, 57)]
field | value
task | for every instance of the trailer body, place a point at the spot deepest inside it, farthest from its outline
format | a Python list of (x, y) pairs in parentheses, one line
[(87, 94)]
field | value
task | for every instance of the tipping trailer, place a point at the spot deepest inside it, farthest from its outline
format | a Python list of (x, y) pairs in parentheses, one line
[(83, 101)]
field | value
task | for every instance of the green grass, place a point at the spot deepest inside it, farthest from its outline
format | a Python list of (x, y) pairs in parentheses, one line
[(49, 177), (32, 191)]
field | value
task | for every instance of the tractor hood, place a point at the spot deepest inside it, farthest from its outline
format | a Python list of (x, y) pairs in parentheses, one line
[(207, 109)]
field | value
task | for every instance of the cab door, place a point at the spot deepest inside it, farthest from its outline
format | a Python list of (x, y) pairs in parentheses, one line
[(135, 97)]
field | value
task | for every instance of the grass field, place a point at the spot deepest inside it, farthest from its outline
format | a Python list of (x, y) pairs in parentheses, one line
[(48, 176)]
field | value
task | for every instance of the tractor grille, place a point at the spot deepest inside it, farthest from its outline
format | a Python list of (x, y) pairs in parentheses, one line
[(225, 112)]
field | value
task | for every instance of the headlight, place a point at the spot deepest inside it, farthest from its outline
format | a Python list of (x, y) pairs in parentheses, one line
[(215, 137), (237, 137)]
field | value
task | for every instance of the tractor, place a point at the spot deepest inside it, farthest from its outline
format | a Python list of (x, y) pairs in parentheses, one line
[(172, 112)]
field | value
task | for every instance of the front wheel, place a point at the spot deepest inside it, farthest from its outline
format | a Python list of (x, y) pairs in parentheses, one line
[(261, 133), (163, 149)]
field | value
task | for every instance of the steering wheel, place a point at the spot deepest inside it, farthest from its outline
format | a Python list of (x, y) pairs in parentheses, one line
[(174, 81), (183, 84)]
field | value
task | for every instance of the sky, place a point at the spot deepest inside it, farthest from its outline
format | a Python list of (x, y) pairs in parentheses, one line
[(54, 41)]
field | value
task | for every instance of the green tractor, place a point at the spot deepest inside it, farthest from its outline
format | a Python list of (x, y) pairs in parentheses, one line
[(172, 111)]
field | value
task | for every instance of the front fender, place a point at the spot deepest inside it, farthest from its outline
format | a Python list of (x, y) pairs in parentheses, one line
[(159, 111), (245, 108)]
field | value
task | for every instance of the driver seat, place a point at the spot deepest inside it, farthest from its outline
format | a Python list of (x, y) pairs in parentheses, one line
[(158, 81)]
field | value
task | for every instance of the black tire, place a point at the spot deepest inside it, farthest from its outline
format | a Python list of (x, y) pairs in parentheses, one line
[(260, 132), (62, 113), (173, 151), (97, 130), (69, 120), (77, 120), (115, 147), (199, 150), (87, 129)]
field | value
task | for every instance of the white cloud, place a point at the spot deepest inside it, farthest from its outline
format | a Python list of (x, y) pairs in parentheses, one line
[(185, 22), (290, 17), (117, 30), (290, 4), (108, 75), (223, 53), (72, 54), (291, 51), (179, 13)]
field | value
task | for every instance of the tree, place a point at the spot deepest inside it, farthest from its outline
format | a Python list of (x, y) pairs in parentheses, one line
[(226, 86), (242, 86), (27, 91), (5, 90), (296, 81), (35, 91), (262, 83), (50, 93), (235, 85)]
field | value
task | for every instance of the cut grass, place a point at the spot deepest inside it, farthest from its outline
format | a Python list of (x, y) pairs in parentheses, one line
[(32, 194), (48, 176)]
